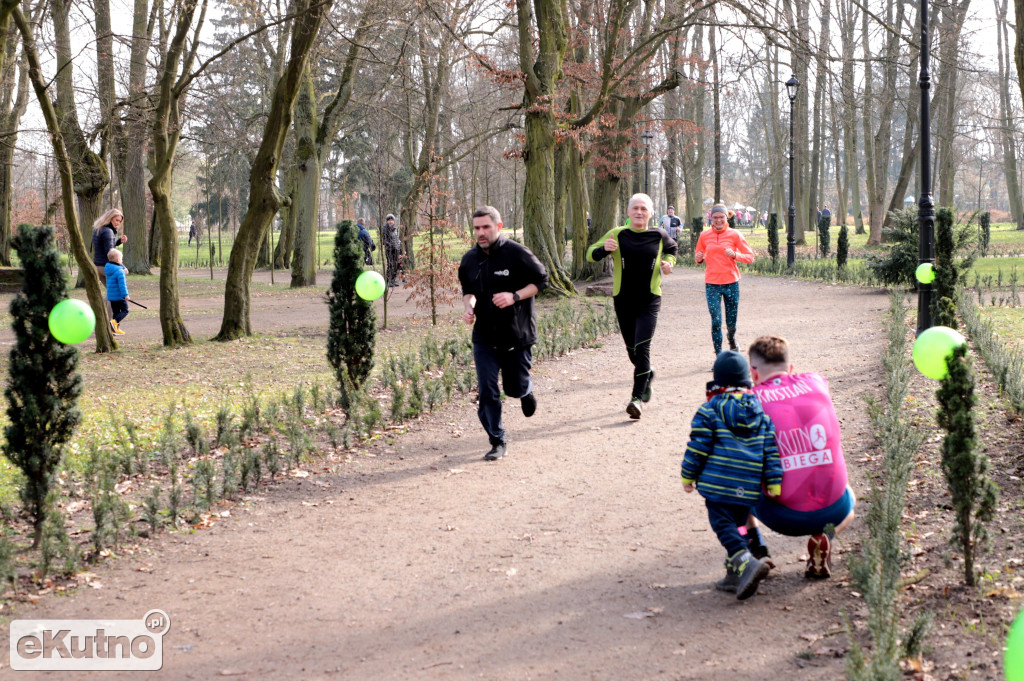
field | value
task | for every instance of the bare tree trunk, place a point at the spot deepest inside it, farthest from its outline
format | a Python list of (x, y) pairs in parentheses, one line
[(15, 102), (878, 149), (104, 335), (911, 146), (817, 151), (542, 68), (716, 109), (264, 199), (1006, 123), (126, 131), (851, 165), (88, 168), (694, 149), (166, 135)]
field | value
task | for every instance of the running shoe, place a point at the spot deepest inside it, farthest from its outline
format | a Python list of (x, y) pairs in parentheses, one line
[(646, 397), (819, 557), (634, 408)]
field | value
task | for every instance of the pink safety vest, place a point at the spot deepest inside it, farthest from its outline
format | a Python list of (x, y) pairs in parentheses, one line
[(810, 444)]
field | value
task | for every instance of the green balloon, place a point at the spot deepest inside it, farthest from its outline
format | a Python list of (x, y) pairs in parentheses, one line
[(1013, 657), (71, 321), (933, 347), (925, 273), (370, 285)]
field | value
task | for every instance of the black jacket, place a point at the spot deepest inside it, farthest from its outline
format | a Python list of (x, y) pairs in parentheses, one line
[(103, 239), (507, 267)]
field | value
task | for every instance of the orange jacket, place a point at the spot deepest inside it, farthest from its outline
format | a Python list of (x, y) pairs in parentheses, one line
[(720, 268)]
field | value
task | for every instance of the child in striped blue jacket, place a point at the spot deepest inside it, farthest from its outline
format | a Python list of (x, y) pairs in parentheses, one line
[(731, 455)]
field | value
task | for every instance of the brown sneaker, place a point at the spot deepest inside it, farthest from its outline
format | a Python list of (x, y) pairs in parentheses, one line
[(819, 557)]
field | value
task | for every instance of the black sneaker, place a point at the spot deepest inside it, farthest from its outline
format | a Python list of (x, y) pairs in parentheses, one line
[(732, 343), (529, 404), (634, 409), (646, 397), (497, 451)]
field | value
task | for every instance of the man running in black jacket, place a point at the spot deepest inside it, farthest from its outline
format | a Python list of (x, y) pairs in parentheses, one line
[(499, 279)]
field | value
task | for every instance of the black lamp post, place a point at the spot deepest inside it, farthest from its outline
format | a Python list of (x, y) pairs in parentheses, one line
[(925, 207), (792, 85), (647, 137)]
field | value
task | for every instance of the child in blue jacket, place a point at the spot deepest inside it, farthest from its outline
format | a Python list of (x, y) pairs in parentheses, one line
[(117, 289), (730, 455)]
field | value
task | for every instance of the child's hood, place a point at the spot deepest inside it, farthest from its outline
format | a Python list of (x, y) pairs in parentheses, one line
[(739, 411)]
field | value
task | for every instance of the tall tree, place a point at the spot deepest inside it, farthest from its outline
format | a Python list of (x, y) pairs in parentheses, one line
[(314, 132), (88, 167), (175, 76), (543, 41), (104, 335), (13, 103), (123, 123), (264, 199), (1007, 125)]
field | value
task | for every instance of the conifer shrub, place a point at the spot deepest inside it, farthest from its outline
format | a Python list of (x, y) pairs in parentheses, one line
[(842, 247), (973, 493), (773, 237), (950, 270), (696, 227), (896, 265), (351, 334), (824, 239), (44, 383)]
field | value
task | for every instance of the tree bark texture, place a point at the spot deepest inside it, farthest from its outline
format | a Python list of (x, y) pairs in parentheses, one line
[(264, 199), (12, 108), (87, 167), (171, 89), (97, 299), (124, 125), (542, 69)]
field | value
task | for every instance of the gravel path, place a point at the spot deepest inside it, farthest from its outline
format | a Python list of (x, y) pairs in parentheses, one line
[(576, 557)]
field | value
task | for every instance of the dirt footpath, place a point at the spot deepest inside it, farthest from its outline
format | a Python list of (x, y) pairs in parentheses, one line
[(576, 557)]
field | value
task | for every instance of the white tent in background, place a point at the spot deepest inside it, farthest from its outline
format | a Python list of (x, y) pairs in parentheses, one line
[(738, 206)]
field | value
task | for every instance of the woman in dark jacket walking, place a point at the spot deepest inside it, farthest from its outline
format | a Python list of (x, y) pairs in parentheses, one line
[(104, 237)]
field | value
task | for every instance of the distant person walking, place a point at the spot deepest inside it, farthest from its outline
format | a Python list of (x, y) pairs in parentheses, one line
[(392, 250), (720, 248), (368, 245), (671, 223), (193, 233), (641, 257)]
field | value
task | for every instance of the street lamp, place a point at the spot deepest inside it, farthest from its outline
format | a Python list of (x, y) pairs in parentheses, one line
[(647, 137), (792, 85), (925, 207)]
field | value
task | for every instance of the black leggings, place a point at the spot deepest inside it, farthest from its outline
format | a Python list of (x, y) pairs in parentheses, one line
[(637, 321)]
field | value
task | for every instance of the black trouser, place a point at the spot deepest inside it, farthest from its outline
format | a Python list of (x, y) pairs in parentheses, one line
[(637, 320), (392, 269), (120, 308), (726, 520), (514, 365)]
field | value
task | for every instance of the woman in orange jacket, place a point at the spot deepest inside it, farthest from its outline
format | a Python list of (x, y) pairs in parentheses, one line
[(720, 248)]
